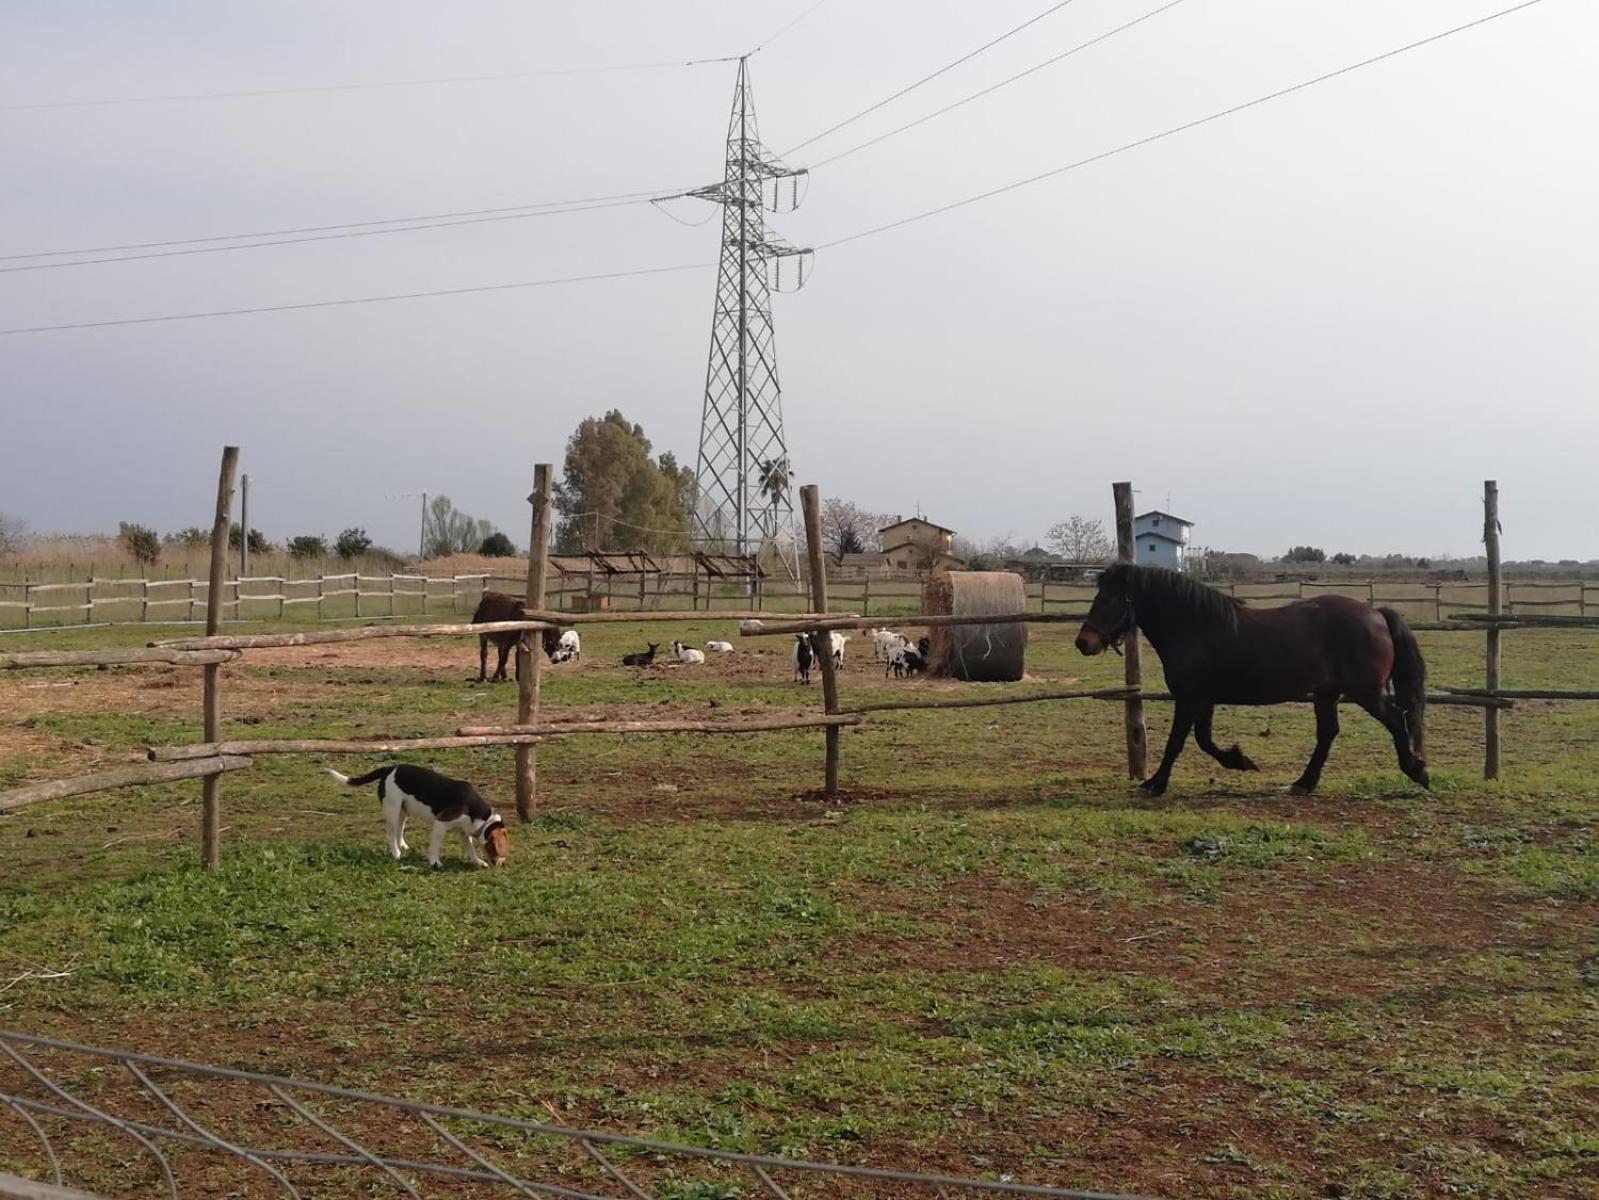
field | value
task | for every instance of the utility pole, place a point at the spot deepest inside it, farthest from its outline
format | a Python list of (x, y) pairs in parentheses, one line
[(244, 526), (744, 499)]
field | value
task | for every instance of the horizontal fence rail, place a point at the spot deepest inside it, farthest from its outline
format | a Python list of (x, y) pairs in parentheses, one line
[(296, 1133), (353, 594)]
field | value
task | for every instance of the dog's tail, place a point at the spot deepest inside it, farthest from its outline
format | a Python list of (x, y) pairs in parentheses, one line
[(359, 780)]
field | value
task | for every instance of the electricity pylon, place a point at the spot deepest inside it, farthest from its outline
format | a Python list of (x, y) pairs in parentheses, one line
[(744, 499)]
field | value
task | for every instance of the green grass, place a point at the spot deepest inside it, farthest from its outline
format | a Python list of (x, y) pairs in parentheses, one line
[(988, 956)]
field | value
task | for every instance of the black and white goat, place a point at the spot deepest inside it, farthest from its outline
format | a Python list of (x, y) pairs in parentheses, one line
[(803, 657), (568, 649), (909, 660)]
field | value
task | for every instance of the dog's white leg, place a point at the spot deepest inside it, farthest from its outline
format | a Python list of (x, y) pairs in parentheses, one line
[(469, 850), (394, 822), (436, 844)]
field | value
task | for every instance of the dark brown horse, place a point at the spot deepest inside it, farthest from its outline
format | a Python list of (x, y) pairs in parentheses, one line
[(497, 606), (1216, 651)]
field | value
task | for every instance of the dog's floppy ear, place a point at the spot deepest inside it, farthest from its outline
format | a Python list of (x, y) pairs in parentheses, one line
[(496, 840)]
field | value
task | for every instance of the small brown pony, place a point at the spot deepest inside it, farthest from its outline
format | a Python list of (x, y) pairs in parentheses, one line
[(1216, 651), (497, 606)]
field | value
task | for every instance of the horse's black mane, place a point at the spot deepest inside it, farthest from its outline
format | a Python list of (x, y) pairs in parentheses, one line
[(1159, 590)]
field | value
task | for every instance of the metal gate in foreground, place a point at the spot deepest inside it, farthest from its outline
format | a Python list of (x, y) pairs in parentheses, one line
[(122, 1124)]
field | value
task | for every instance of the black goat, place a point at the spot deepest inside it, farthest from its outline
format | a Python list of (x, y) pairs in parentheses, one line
[(642, 658)]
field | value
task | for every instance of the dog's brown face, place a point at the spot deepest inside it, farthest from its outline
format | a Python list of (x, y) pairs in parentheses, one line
[(496, 845)]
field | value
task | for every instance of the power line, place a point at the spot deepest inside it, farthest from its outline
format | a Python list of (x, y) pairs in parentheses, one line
[(1048, 62), (765, 42), (1237, 108), (1176, 129), (928, 78), (326, 237), (357, 87), (276, 308), (265, 233)]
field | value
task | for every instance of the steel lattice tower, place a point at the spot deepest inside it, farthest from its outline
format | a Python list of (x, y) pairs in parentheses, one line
[(744, 500)]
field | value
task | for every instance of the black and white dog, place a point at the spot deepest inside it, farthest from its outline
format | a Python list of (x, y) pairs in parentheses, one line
[(452, 805)]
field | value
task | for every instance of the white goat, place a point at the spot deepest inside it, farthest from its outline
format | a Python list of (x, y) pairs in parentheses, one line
[(719, 647), (572, 644), (687, 655), (838, 639), (885, 642)]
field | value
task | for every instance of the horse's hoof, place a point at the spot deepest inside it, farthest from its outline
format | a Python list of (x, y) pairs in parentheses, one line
[(1299, 789), (1151, 791)]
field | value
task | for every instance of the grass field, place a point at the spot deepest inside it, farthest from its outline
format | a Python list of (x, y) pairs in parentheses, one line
[(989, 956)]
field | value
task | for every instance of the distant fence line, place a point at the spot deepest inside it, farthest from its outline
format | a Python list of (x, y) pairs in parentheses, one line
[(26, 605), (250, 597)]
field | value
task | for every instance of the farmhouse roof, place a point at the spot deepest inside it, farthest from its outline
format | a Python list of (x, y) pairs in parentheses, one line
[(898, 521), (1156, 512)]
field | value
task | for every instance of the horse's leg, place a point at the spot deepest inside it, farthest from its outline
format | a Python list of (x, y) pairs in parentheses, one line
[(502, 649), (1181, 722), (482, 657), (1326, 731), (1234, 759), (1394, 722)]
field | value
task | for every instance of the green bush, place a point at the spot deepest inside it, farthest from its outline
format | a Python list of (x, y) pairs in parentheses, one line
[(352, 543), (143, 543), (258, 541), (497, 545), (308, 545)]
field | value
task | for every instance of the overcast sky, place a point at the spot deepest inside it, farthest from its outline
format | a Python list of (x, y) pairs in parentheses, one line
[(1323, 320)]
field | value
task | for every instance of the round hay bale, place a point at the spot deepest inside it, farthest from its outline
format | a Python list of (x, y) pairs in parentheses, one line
[(979, 653)]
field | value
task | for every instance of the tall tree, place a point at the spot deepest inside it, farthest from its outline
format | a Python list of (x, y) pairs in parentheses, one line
[(447, 530), (614, 495), (1080, 539), (847, 528)]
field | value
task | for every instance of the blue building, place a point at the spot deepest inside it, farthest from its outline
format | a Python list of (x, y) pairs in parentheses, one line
[(1162, 540)]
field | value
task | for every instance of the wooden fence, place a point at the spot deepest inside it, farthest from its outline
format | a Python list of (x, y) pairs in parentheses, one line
[(214, 756), (348, 596), (95, 600)]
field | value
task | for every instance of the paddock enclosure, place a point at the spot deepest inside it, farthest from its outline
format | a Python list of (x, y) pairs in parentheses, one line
[(978, 955)]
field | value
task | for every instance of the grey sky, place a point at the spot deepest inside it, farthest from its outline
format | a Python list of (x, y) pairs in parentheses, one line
[(1324, 320)]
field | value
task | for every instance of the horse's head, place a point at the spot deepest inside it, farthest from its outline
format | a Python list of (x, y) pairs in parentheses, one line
[(1110, 619)]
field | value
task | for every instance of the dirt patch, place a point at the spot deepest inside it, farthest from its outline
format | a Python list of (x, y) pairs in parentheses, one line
[(1294, 934)]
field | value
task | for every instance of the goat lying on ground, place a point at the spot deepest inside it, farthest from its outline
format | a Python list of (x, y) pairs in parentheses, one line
[(803, 657), (687, 655), (641, 658), (497, 606), (719, 647)]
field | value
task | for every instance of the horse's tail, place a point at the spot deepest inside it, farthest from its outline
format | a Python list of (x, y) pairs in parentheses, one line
[(1409, 677)]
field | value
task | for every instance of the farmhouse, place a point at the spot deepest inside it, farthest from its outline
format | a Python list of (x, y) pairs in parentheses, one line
[(919, 545), (1162, 540)]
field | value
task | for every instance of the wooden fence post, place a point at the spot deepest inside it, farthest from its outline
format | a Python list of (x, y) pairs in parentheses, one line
[(88, 598), (144, 600), (529, 658), (27, 606), (1437, 602), (821, 643), (1132, 668), (1490, 537), (211, 687)]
